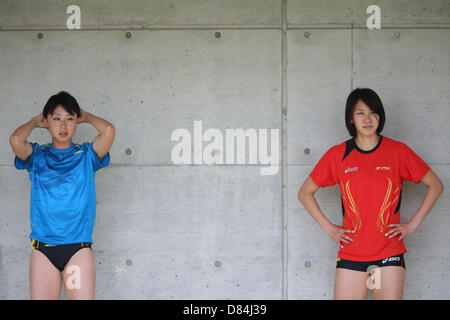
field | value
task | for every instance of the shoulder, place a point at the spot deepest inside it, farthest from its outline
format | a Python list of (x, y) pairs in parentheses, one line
[(42, 147), (85, 146), (336, 151), (391, 141), (340, 147), (35, 146), (88, 148), (394, 144)]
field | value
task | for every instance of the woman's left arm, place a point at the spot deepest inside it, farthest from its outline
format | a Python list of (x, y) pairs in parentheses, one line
[(434, 189), (106, 132)]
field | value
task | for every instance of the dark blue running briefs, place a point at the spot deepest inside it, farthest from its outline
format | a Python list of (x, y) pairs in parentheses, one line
[(59, 255), (363, 266)]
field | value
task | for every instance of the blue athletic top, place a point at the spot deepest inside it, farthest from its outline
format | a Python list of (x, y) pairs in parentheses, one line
[(62, 197)]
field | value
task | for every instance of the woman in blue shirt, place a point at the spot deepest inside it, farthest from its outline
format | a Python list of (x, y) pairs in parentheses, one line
[(62, 197)]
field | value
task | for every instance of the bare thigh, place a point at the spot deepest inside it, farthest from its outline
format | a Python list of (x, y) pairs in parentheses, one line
[(392, 279), (45, 278), (350, 284), (79, 276)]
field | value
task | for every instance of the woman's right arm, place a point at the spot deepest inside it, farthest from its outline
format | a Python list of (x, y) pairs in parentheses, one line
[(306, 197), (18, 140)]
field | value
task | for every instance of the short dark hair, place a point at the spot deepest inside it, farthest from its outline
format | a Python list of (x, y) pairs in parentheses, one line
[(64, 99), (371, 99)]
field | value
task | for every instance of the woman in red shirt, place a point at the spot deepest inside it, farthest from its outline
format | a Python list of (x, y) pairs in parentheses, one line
[(369, 169)]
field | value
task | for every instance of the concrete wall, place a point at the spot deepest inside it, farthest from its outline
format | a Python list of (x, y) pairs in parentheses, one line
[(165, 231)]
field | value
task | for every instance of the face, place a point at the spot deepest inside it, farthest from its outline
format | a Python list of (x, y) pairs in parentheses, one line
[(365, 120), (62, 125)]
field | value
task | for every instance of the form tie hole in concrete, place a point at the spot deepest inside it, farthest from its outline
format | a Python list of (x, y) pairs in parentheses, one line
[(218, 34), (307, 151), (128, 151), (397, 34), (40, 35), (307, 264), (129, 262), (128, 35), (218, 264), (307, 35)]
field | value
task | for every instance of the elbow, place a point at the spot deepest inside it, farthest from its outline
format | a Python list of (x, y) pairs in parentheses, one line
[(110, 130), (437, 186), (301, 195), (441, 187), (306, 194), (13, 140)]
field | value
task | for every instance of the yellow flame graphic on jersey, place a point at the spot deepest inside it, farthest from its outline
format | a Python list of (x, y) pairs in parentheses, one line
[(382, 220), (356, 223)]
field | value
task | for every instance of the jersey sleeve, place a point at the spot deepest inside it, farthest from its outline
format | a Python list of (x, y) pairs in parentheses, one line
[(96, 163), (325, 173), (412, 167), (28, 164)]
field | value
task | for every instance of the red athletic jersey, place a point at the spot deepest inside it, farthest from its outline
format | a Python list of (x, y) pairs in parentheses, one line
[(371, 186)]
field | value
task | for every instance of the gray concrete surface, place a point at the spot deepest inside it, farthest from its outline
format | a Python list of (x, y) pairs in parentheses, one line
[(165, 231)]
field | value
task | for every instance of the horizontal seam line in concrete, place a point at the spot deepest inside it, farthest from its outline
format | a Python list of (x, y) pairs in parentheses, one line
[(363, 26), (222, 27), (139, 27)]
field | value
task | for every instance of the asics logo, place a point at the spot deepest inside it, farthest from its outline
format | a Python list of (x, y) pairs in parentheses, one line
[(351, 169), (391, 259)]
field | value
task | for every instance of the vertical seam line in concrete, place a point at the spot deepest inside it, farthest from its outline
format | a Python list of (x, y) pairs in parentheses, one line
[(351, 75), (284, 151)]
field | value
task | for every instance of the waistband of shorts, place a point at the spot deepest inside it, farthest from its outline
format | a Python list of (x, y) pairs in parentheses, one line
[(35, 244)]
